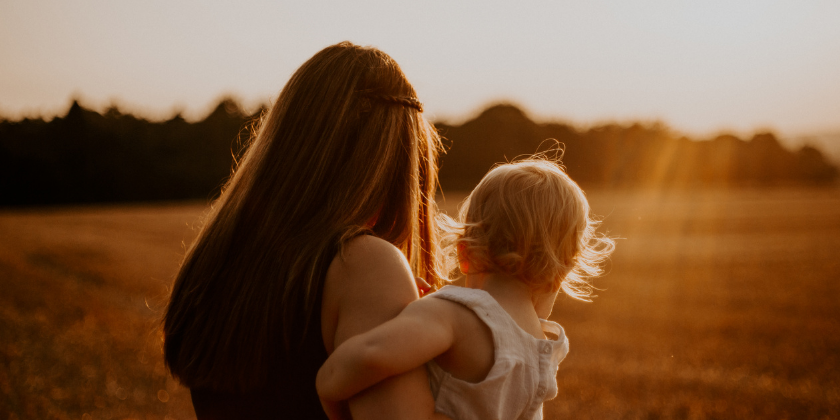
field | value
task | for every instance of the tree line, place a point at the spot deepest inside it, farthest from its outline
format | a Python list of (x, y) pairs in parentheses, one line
[(634, 155), (88, 157)]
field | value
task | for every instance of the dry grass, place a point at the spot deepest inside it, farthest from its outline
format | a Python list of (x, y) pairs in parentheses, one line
[(77, 335), (717, 305)]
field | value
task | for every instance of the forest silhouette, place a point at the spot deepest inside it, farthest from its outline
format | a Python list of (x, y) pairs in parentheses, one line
[(88, 157)]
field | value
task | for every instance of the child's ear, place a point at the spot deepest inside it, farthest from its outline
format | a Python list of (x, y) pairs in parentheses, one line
[(463, 262)]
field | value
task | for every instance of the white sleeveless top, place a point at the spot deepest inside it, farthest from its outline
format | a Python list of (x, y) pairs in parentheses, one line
[(523, 375)]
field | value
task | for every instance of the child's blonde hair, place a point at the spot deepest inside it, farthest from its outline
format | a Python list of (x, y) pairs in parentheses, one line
[(528, 219)]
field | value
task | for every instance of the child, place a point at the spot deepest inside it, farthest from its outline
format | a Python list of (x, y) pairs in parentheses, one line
[(525, 233)]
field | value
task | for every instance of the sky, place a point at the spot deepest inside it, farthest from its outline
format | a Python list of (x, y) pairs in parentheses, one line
[(701, 67)]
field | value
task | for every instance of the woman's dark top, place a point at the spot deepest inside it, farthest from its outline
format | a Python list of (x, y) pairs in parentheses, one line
[(292, 395)]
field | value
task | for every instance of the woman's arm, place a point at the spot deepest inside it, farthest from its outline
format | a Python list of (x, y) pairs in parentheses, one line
[(406, 342), (370, 285)]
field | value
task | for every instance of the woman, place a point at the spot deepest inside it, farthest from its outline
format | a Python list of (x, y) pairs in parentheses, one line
[(315, 238)]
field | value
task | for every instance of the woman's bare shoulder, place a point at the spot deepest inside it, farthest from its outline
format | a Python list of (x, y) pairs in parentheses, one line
[(370, 261), (368, 283), (364, 249)]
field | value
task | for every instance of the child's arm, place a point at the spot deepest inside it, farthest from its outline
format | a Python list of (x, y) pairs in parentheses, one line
[(418, 334)]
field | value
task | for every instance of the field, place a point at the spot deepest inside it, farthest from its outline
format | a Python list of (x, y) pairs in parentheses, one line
[(717, 304)]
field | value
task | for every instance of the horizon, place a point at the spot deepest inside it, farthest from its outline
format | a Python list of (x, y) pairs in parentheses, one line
[(828, 143), (701, 69)]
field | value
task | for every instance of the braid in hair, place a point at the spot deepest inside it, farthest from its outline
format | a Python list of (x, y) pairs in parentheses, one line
[(406, 101)]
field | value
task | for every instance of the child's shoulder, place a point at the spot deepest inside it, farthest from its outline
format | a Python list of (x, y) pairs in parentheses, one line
[(464, 297), (432, 303), (440, 307), (471, 355)]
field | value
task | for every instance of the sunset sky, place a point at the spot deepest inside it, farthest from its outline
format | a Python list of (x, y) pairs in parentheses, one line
[(700, 66)]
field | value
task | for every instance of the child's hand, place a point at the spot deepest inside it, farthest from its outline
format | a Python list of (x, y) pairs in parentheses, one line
[(422, 286), (336, 410)]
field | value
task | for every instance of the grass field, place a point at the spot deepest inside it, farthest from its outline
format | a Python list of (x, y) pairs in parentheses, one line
[(717, 305)]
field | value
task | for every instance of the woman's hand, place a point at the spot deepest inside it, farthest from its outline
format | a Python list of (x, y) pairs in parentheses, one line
[(422, 286), (336, 410)]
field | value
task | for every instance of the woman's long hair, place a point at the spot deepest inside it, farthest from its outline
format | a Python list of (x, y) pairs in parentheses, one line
[(343, 151)]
